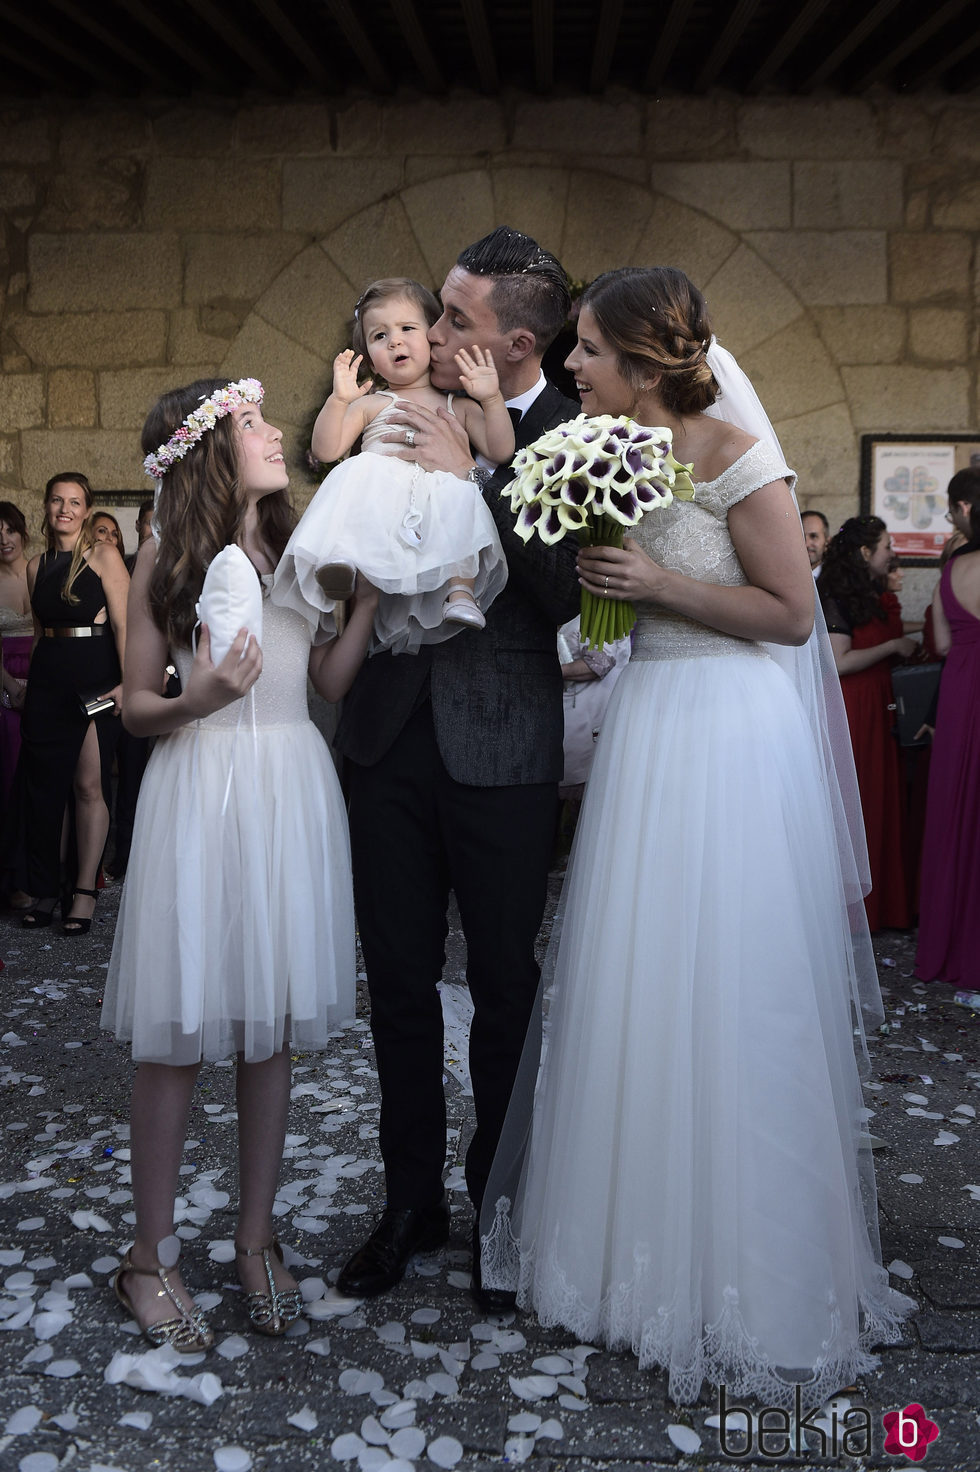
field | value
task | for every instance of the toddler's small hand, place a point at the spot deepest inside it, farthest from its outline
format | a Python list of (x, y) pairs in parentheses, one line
[(345, 385), (477, 373)]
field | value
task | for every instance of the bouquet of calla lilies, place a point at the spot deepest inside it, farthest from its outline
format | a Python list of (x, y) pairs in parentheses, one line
[(596, 477)]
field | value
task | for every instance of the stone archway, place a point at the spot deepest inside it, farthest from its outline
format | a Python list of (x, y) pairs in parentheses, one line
[(593, 220)]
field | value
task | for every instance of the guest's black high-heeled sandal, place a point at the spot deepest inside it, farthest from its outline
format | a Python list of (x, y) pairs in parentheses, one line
[(79, 924), (271, 1313)]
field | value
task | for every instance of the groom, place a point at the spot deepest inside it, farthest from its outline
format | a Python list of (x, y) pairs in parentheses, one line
[(453, 757)]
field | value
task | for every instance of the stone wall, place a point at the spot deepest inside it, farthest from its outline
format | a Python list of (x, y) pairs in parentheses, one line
[(145, 245)]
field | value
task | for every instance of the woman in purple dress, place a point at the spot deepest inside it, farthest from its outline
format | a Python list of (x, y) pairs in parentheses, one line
[(949, 927)]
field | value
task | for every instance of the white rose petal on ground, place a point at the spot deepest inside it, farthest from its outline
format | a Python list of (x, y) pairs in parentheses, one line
[(572, 1403), (517, 1449), (966, 1109), (318, 1346), (232, 1459), (442, 1384), (373, 1432), (139, 1420), (551, 1431), (360, 1382), (484, 1361), (915, 1098), (223, 1251), (391, 1333), (523, 1422), (38, 1462), (345, 1448), (426, 1316), (533, 1387), (445, 1451), (408, 1442), (685, 1438), (372, 1459), (946, 1137), (553, 1364), (911, 1179), (399, 1414), (22, 1421), (63, 1369), (900, 1269), (304, 1420), (331, 1306), (233, 1347), (950, 1242)]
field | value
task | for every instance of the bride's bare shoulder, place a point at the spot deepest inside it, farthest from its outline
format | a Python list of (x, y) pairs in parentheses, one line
[(719, 445)]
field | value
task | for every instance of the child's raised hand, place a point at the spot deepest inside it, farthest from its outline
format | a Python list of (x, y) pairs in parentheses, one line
[(477, 373), (345, 385)]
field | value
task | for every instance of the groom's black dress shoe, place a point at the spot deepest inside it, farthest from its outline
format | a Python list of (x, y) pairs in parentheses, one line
[(491, 1300), (401, 1232)]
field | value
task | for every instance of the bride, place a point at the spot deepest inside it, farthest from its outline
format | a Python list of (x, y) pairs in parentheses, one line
[(693, 1185)]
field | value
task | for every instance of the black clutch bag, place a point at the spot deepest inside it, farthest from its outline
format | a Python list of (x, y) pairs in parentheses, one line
[(96, 703), (914, 687)]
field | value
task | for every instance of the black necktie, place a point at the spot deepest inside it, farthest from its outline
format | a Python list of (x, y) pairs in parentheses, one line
[(515, 416)]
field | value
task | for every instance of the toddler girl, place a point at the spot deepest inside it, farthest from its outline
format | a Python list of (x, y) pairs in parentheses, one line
[(425, 539)]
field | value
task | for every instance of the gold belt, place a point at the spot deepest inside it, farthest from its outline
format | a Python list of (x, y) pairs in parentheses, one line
[(87, 631)]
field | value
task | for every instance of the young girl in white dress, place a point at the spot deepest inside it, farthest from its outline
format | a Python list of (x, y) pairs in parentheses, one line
[(696, 1186), (236, 931), (425, 539)]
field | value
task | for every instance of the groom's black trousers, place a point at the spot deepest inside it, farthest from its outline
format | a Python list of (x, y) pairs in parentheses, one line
[(416, 834)]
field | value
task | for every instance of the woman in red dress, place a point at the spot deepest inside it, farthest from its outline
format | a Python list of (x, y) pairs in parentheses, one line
[(866, 636)]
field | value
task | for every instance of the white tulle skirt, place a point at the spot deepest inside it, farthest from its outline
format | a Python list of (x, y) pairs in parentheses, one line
[(409, 531), (694, 1187), (236, 927)]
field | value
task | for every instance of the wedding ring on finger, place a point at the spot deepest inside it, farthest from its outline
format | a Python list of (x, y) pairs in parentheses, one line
[(410, 437), (605, 586)]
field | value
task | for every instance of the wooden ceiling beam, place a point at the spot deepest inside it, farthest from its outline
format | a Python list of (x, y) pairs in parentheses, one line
[(912, 42), (233, 36), (481, 44), (607, 33), (726, 43), (357, 39), (139, 61), (42, 35), (407, 16), (667, 43), (787, 43), (29, 64), (294, 41), (952, 59), (855, 38), (193, 56), (543, 32)]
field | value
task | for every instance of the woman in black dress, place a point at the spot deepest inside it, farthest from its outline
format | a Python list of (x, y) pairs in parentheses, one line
[(78, 593)]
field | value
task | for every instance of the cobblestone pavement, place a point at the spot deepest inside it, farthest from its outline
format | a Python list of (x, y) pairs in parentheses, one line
[(417, 1377)]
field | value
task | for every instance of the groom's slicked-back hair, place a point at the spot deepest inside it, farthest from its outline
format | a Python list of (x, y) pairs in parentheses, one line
[(529, 289)]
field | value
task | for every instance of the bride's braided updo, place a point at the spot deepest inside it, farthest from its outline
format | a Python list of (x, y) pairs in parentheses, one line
[(658, 322)]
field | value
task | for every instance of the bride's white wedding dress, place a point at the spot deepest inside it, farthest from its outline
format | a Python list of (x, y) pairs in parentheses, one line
[(694, 1187)]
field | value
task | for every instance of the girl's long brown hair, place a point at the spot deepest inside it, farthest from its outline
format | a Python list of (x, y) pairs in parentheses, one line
[(201, 508)]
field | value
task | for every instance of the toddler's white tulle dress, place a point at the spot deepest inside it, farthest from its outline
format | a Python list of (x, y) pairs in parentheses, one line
[(695, 1187), (408, 530), (236, 927)]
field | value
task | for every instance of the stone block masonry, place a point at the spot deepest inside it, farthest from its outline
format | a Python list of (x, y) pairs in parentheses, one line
[(145, 244)]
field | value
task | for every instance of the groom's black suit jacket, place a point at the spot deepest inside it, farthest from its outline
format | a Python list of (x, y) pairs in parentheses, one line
[(495, 693)]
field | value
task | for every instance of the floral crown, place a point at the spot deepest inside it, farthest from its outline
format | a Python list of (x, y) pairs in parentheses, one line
[(198, 423)]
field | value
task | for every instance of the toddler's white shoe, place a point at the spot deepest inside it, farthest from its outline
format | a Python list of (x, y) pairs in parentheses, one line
[(463, 609)]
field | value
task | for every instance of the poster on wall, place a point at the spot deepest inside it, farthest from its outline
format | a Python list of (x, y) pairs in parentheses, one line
[(904, 480)]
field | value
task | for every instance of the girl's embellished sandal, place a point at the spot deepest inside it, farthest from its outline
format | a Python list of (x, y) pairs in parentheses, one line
[(187, 1332), (271, 1313)]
